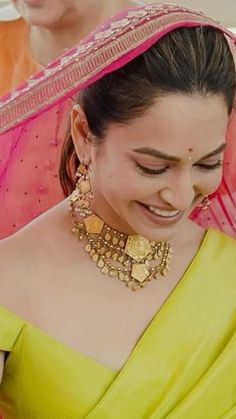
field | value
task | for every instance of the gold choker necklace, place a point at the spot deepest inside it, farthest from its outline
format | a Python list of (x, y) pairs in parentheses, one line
[(133, 259)]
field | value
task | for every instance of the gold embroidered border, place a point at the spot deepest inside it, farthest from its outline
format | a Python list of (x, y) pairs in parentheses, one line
[(81, 67)]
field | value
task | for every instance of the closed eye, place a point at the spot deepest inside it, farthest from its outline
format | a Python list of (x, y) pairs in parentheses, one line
[(216, 165), (149, 171)]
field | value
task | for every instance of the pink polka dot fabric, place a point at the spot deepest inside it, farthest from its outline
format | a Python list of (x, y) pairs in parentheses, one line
[(34, 118)]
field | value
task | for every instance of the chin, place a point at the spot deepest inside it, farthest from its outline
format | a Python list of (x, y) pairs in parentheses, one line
[(157, 234), (155, 228)]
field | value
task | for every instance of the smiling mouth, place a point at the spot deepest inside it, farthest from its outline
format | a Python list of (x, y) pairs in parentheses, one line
[(162, 213), (161, 216)]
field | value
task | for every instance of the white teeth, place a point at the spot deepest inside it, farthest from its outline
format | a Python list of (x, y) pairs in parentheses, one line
[(163, 213)]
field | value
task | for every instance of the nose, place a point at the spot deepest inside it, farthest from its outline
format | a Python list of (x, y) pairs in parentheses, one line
[(180, 193)]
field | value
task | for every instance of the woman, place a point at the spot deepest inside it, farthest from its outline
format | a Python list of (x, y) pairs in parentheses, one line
[(28, 44), (156, 88)]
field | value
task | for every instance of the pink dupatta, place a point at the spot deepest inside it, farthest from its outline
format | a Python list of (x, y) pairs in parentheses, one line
[(35, 116)]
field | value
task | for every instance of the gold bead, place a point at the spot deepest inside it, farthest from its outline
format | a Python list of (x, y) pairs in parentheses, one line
[(95, 257), (102, 251), (82, 169), (121, 276), (115, 240), (88, 248), (100, 263), (112, 272), (115, 256), (105, 270), (107, 237)]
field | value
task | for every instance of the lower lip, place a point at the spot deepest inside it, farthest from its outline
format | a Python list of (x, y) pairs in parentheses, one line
[(158, 219)]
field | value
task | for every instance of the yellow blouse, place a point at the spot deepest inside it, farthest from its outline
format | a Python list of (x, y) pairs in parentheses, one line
[(182, 367)]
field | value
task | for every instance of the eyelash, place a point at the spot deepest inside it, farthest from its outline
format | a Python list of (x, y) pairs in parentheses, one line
[(148, 171)]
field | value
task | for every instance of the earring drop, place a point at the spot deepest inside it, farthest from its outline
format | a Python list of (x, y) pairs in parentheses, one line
[(205, 204), (83, 197)]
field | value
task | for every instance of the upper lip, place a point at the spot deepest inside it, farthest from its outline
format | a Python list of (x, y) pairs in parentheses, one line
[(160, 207)]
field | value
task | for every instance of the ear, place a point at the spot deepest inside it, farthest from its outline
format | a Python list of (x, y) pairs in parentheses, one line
[(79, 132)]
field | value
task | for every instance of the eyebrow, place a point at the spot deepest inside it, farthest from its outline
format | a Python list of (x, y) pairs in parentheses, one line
[(159, 154)]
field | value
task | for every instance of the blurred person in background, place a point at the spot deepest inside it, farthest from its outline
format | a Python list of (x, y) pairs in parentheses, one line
[(38, 31)]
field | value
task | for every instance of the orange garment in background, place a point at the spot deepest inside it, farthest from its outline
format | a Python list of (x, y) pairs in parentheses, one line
[(16, 61), (32, 185)]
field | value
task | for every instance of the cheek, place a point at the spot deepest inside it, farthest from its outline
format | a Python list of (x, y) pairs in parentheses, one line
[(211, 182), (119, 180)]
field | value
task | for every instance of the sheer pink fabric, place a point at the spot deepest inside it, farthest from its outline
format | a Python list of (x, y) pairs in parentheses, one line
[(34, 117)]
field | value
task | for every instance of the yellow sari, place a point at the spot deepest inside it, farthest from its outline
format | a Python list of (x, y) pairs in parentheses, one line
[(182, 367)]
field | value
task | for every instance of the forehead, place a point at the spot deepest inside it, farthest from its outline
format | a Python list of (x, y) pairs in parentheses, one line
[(178, 122)]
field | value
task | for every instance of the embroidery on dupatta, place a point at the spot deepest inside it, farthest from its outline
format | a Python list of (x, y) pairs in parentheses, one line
[(93, 55)]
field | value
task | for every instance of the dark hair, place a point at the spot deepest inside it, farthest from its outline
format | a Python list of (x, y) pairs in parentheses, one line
[(187, 60)]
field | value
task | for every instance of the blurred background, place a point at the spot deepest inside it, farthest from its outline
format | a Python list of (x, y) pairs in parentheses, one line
[(223, 10)]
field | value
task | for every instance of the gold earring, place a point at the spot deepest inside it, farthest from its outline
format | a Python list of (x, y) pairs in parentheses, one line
[(83, 192), (205, 204), (83, 197)]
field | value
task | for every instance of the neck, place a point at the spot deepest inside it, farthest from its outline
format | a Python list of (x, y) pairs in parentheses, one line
[(48, 43)]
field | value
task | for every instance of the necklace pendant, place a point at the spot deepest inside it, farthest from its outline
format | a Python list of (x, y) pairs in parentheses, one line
[(137, 248), (140, 272)]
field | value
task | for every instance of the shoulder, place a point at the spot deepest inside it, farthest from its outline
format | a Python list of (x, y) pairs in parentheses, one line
[(220, 251), (39, 234), (33, 252), (222, 240)]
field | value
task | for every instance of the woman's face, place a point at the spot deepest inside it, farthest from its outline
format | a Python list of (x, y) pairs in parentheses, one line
[(147, 176), (45, 12)]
